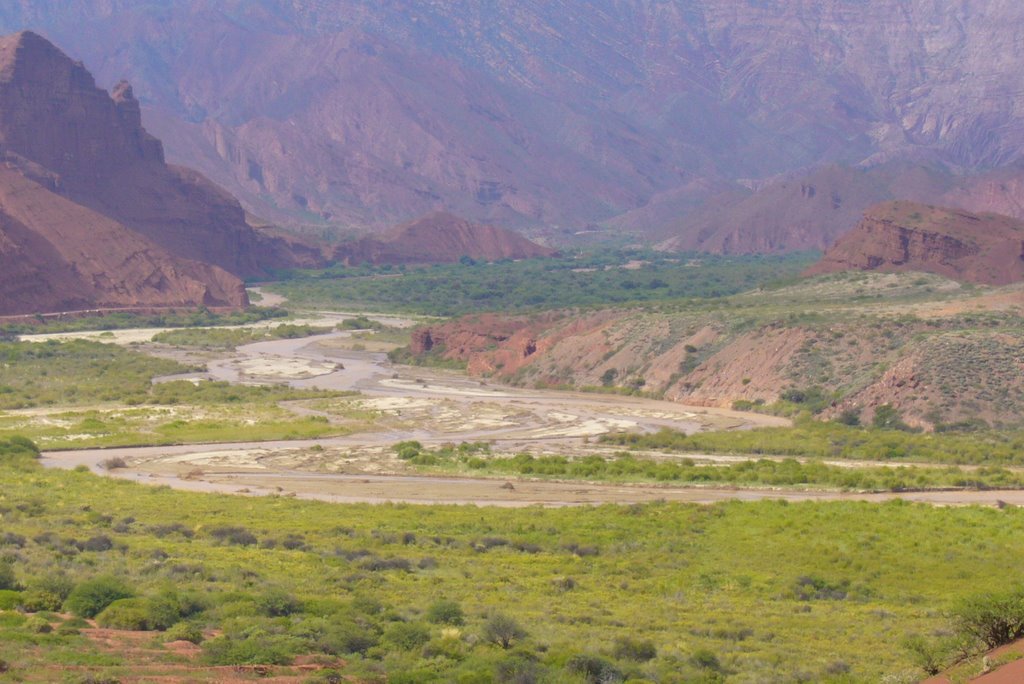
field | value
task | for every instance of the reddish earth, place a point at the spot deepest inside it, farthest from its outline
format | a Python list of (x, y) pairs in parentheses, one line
[(438, 238), (904, 236), (92, 216), (149, 660), (1010, 673)]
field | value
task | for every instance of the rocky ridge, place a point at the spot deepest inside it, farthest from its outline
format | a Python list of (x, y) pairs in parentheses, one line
[(905, 236), (959, 359)]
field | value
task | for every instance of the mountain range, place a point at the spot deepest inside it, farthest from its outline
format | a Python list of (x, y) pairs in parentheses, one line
[(91, 215), (680, 122)]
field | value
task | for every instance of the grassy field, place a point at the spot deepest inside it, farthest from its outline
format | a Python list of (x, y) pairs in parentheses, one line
[(600, 278), (86, 394), (229, 338), (763, 592)]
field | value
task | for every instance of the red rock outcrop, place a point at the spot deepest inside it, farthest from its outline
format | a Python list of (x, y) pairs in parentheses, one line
[(99, 155), (92, 217), (904, 236), (440, 237)]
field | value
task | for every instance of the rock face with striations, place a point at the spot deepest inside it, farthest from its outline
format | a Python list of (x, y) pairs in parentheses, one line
[(440, 237), (91, 215), (905, 236)]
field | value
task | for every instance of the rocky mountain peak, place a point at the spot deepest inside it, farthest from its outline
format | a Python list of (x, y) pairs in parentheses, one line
[(52, 113)]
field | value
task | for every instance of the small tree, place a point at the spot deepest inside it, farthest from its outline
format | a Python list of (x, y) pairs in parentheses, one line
[(992, 619), (445, 612), (888, 418), (849, 417), (502, 630)]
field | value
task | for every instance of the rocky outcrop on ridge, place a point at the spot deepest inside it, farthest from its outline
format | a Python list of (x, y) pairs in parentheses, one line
[(905, 236)]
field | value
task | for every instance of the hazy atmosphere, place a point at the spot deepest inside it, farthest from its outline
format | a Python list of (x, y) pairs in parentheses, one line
[(628, 341)]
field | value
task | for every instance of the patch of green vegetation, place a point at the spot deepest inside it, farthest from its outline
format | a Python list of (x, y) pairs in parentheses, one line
[(435, 358), (625, 467), (124, 408), (812, 439), (599, 278), (124, 321), (229, 338), (183, 412), (74, 373), (763, 591)]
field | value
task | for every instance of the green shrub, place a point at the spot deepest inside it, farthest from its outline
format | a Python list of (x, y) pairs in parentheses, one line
[(255, 649), (89, 598), (169, 607), (127, 613), (10, 599), (184, 631), (888, 418), (344, 638), (594, 670), (502, 630), (705, 659), (407, 635), (627, 648), (52, 588), (445, 612), (277, 603), (37, 625), (8, 580), (992, 619)]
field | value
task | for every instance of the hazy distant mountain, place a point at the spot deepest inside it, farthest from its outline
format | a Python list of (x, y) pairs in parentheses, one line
[(551, 113)]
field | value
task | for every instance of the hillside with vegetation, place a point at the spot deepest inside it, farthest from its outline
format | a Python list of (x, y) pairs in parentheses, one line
[(937, 351)]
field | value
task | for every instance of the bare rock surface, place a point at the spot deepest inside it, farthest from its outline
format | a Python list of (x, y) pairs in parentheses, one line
[(905, 236)]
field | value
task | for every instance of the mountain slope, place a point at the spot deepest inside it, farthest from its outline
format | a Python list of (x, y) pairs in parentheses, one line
[(353, 113), (56, 255), (440, 237)]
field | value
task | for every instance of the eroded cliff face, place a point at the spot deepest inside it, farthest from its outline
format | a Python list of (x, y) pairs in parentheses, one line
[(534, 113), (926, 367), (99, 156), (904, 236), (90, 215)]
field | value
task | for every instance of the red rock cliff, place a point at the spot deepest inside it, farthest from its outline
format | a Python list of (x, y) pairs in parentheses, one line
[(93, 143), (904, 236)]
